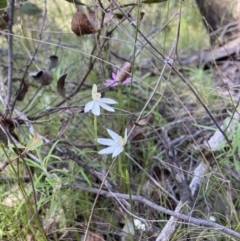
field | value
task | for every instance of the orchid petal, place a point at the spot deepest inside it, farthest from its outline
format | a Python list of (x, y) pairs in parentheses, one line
[(88, 106), (94, 89), (105, 106), (127, 80), (114, 76), (95, 109), (107, 150), (108, 101), (115, 83), (115, 145), (117, 151), (106, 142), (125, 136), (113, 134), (110, 83)]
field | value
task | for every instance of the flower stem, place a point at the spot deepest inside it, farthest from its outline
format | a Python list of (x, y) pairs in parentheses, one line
[(119, 96), (95, 130), (120, 105)]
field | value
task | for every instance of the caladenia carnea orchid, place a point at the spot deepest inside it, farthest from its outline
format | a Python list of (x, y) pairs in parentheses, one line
[(115, 145), (97, 102), (122, 76), (115, 81)]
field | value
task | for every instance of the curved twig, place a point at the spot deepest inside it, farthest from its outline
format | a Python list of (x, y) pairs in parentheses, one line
[(188, 219)]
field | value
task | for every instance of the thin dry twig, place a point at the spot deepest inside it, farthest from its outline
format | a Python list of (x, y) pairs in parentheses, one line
[(186, 218)]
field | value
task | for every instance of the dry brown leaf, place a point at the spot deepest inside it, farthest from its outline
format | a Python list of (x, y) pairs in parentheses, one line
[(137, 133), (61, 85), (81, 25), (22, 92), (44, 77), (118, 15), (4, 20), (53, 62), (143, 121), (141, 16)]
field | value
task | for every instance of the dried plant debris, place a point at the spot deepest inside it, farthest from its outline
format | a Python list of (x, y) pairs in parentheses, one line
[(81, 24), (124, 72), (43, 77), (61, 86), (4, 18), (136, 131), (53, 62), (20, 94)]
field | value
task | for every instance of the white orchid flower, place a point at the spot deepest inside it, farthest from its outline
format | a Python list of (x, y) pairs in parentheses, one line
[(97, 101), (115, 145)]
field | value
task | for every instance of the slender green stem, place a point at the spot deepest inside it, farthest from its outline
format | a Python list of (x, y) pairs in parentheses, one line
[(95, 130), (120, 96)]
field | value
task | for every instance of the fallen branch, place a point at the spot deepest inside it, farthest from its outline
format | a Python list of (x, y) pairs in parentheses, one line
[(210, 56), (143, 200), (170, 226)]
